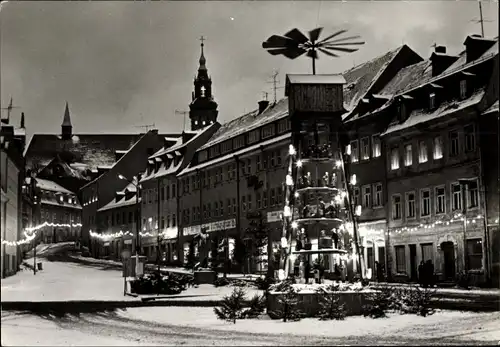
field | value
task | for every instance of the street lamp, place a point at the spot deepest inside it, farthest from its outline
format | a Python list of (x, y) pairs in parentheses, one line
[(135, 183)]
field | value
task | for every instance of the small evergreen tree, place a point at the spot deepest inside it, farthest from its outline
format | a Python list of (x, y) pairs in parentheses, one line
[(232, 306), (256, 306), (330, 306), (380, 303), (289, 310)]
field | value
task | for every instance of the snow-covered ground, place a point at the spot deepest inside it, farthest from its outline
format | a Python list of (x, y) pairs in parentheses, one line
[(60, 281), (64, 282), (198, 326), (442, 324)]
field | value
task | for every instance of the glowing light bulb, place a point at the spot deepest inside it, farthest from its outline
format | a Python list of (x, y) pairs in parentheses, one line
[(353, 179), (348, 150), (289, 180), (299, 163), (358, 210), (295, 224), (338, 163), (296, 194), (291, 150)]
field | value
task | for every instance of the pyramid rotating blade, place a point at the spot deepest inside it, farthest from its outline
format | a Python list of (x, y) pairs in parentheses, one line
[(357, 43), (314, 34), (277, 41), (341, 49), (293, 52), (328, 53), (332, 36), (342, 39), (296, 35)]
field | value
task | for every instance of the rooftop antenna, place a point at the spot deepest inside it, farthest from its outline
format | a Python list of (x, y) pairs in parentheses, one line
[(147, 127), (9, 109), (481, 19), (183, 113), (275, 82)]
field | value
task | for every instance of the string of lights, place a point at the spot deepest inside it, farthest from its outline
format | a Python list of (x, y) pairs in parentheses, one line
[(456, 218), (31, 232)]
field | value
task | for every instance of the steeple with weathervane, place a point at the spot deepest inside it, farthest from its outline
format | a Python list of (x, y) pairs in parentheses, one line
[(66, 127), (203, 108)]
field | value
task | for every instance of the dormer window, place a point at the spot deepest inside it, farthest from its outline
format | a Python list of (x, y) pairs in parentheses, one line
[(432, 101), (195, 122), (70, 200), (463, 89), (402, 111)]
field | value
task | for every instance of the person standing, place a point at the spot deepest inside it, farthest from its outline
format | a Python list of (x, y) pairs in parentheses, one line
[(421, 273)]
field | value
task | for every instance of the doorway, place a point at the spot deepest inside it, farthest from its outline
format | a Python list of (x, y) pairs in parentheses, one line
[(449, 260), (413, 262)]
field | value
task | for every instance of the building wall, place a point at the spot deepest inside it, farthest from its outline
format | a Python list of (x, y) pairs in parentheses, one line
[(59, 215), (101, 191), (113, 221), (10, 176)]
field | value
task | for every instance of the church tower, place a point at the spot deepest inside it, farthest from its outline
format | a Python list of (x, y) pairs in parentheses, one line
[(203, 108), (66, 127)]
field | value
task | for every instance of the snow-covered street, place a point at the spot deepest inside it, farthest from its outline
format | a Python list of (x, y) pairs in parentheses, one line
[(198, 326)]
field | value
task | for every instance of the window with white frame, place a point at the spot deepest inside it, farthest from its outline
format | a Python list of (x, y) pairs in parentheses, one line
[(427, 251), (456, 197), (472, 195), (394, 158), (239, 142), (272, 197), (209, 210), (226, 147), (400, 259), (440, 196), (272, 158), (249, 202), (377, 196), (264, 199), (259, 163), (284, 125), (234, 206), (254, 136), (203, 155), (408, 155), (475, 254), (396, 207), (216, 209), (258, 201), (454, 144), (463, 89), (355, 198), (354, 151), (425, 202), (268, 131), (365, 148), (422, 152), (278, 158), (470, 138), (437, 153), (410, 205), (279, 195), (376, 146), (249, 166), (229, 207), (367, 195)]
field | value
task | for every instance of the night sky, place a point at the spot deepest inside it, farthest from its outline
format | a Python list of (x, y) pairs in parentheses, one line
[(124, 64)]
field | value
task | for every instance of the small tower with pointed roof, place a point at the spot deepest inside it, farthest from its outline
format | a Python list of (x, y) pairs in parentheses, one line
[(203, 108), (66, 127)]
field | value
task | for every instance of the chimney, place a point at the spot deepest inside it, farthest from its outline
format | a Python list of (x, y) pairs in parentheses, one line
[(475, 46), (263, 105), (22, 120), (440, 60)]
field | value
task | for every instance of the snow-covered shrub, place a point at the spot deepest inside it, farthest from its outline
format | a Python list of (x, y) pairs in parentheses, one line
[(415, 300), (288, 300), (221, 282), (256, 306), (380, 302), (232, 306), (264, 283), (238, 283), (330, 306), (283, 286)]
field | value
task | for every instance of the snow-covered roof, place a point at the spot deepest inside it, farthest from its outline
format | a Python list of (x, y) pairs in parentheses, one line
[(179, 144), (249, 121), (424, 115), (408, 77), (191, 167), (360, 78), (51, 186), (316, 79), (163, 170), (122, 203), (19, 132), (492, 108), (61, 204)]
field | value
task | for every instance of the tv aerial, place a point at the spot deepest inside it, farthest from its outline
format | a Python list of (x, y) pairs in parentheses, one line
[(294, 44)]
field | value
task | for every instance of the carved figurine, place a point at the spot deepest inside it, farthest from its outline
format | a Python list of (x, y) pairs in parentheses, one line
[(306, 211), (335, 238), (333, 180), (330, 210), (326, 180), (320, 212)]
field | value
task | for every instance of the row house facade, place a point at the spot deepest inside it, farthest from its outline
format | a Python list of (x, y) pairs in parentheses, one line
[(161, 191), (60, 213), (11, 178), (435, 183), (102, 190)]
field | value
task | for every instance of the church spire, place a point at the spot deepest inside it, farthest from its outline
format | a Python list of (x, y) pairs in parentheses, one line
[(66, 127), (202, 60)]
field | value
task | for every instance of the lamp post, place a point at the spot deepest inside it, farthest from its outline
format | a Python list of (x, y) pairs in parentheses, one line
[(135, 183)]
